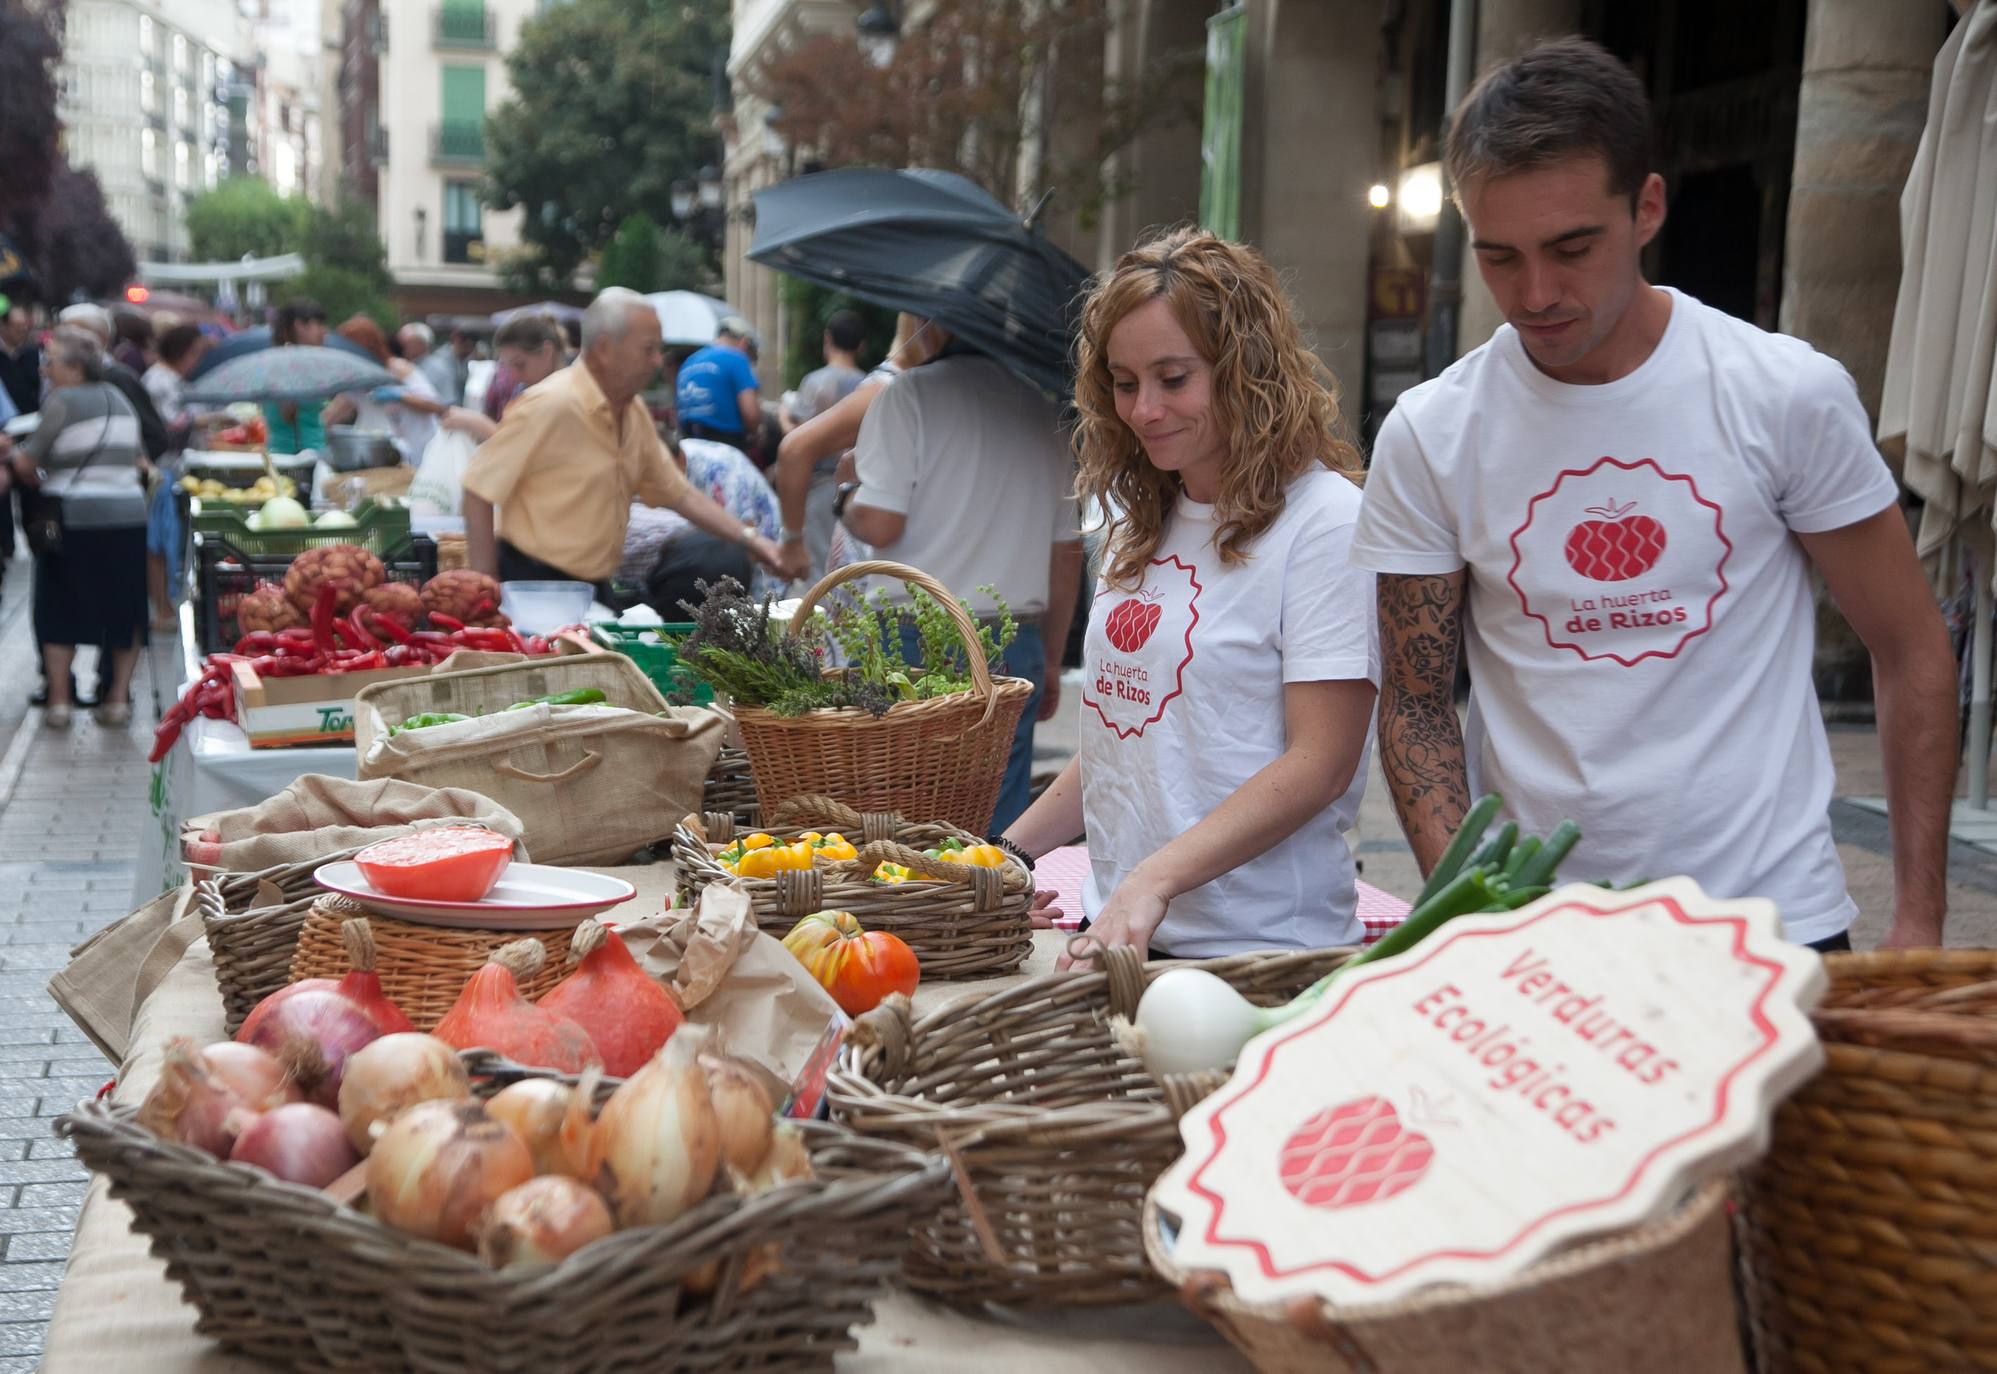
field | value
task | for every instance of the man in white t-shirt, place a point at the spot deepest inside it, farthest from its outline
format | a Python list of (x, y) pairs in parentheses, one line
[(964, 473), (1616, 503)]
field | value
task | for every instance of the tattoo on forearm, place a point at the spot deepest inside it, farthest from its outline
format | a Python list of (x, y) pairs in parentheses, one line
[(1421, 741)]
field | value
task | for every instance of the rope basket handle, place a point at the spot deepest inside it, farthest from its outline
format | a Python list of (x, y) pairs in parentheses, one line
[(915, 861), (886, 1034), (813, 808), (981, 673)]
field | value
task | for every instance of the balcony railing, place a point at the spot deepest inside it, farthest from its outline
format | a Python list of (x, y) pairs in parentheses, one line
[(457, 26), (463, 247), (457, 144)]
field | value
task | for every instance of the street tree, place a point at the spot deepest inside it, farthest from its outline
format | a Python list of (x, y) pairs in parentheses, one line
[(613, 102), (75, 247), (645, 257), (245, 216), (30, 47), (346, 263)]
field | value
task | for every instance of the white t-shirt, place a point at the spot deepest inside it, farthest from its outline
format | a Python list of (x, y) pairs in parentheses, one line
[(1640, 615), (1182, 703), (978, 463)]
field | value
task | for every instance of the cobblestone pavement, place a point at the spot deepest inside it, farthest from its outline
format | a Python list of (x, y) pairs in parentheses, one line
[(71, 806)]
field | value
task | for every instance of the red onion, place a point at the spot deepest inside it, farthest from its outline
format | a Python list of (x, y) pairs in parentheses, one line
[(191, 1105), (254, 1074), (299, 1142), (313, 1033)]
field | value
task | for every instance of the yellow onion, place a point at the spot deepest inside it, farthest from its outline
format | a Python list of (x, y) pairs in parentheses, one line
[(439, 1165), (393, 1073), (742, 1107), (543, 1221), (552, 1118), (657, 1143), (788, 1160), (785, 1161)]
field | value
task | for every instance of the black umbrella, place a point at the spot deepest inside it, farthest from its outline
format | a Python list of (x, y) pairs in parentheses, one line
[(936, 245), (247, 341)]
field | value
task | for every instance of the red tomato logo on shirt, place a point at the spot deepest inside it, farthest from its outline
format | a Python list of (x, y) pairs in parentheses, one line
[(1616, 547), (1131, 623)]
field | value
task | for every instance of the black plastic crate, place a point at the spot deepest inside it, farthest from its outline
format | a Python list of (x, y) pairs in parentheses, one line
[(224, 574)]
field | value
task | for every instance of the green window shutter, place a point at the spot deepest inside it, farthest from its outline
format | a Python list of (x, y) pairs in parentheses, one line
[(462, 21), (1220, 138), (464, 95)]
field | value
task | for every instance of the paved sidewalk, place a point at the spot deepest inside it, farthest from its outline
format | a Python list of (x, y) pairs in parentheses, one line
[(71, 808)]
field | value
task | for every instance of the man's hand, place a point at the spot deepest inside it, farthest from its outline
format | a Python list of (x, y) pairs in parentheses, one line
[(767, 553), (1050, 698), (1043, 911), (796, 560)]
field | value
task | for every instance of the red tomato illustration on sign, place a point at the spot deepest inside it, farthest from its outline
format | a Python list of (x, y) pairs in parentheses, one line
[(1356, 1152), (1616, 547), (1130, 624)]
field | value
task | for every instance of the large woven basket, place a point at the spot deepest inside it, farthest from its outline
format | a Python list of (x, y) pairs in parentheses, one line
[(283, 1273), (1869, 1230), (942, 758), (964, 922), (422, 968), (253, 931), (1658, 1300), (1055, 1133)]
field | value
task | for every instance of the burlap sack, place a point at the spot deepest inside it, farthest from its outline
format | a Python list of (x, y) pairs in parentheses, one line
[(590, 784), (319, 814)]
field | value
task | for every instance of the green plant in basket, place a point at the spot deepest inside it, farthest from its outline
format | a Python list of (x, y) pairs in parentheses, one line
[(740, 649)]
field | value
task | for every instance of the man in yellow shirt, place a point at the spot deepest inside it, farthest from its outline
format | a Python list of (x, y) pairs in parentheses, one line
[(572, 454)]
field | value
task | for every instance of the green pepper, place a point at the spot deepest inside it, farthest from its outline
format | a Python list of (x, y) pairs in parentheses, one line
[(426, 720), (581, 696)]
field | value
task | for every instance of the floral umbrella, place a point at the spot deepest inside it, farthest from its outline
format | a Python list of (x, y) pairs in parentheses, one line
[(289, 374)]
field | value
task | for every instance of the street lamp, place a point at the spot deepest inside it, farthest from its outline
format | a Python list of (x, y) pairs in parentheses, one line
[(880, 32), (774, 145), (710, 187), (683, 197)]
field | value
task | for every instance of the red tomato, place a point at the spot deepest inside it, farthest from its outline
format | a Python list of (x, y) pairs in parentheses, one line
[(449, 864), (858, 967)]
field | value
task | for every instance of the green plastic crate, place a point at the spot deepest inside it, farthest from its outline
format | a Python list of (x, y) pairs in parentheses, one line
[(655, 660), (378, 529)]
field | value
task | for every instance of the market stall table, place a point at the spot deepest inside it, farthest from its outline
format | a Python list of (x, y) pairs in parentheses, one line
[(116, 1299)]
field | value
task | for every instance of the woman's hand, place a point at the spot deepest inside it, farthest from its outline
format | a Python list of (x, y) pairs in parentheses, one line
[(1043, 911), (1131, 916)]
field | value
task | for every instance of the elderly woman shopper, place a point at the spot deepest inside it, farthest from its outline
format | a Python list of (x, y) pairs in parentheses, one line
[(90, 560)]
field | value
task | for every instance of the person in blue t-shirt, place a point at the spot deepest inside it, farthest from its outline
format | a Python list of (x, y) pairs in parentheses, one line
[(716, 392)]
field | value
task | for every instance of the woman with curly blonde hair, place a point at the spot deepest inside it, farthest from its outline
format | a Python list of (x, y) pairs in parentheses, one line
[(1231, 658)]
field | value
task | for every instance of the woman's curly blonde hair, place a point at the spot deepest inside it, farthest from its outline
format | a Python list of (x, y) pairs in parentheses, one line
[(1273, 398)]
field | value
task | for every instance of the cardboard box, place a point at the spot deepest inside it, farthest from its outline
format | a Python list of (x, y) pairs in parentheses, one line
[(281, 711)]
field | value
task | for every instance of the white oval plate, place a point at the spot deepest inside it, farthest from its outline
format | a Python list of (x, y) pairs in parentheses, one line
[(526, 897)]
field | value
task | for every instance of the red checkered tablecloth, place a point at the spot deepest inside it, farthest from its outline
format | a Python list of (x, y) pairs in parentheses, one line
[(1065, 869)]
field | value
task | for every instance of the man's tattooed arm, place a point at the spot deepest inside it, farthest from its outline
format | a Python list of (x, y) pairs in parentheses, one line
[(1421, 741)]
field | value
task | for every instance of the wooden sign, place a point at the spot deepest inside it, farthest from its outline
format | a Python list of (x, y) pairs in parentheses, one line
[(1516, 1083)]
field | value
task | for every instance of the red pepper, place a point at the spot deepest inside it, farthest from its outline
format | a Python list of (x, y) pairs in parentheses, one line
[(296, 638), (257, 642), (484, 608), (322, 617), (446, 622), (357, 623), (385, 624), (365, 663), (513, 639), (536, 644)]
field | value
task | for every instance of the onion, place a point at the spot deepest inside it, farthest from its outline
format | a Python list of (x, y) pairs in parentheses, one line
[(543, 1221), (251, 1073), (552, 1118), (439, 1165), (787, 1161), (1189, 1020), (313, 1033), (656, 1145), (392, 1073), (299, 1142), (742, 1108), (193, 1105)]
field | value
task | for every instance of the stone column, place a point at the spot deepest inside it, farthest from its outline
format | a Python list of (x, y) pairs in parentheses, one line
[(1860, 112), (1158, 172), (1505, 28)]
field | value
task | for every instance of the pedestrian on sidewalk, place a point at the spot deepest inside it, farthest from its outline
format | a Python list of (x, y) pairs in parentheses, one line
[(90, 562), (1230, 663), (549, 495), (716, 395), (1616, 505)]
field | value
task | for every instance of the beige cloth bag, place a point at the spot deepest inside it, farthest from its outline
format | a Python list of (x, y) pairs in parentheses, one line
[(319, 814)]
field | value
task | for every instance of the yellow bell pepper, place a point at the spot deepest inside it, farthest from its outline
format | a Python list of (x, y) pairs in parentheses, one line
[(980, 856), (811, 837), (758, 841), (837, 850), (762, 863), (797, 855), (891, 873)]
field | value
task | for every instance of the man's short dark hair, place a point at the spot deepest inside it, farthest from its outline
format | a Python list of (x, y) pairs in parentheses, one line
[(1560, 100), (847, 329), (174, 344)]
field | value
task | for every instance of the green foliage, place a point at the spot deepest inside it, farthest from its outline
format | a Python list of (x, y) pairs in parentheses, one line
[(612, 103), (809, 305), (645, 257), (343, 292), (740, 651), (346, 264), (245, 215)]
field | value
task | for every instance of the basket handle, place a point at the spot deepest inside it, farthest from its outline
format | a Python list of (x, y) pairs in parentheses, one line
[(582, 765), (987, 885), (886, 1032), (981, 673)]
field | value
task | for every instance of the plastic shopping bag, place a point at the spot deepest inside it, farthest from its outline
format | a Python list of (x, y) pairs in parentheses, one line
[(438, 488)]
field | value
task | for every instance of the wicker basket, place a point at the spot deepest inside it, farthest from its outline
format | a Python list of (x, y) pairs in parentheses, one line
[(422, 968), (1869, 1230), (965, 922), (285, 1274), (1055, 1133), (253, 939), (1658, 1300), (731, 788), (944, 757)]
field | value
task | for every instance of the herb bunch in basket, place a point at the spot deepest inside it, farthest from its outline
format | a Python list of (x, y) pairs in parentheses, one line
[(741, 650)]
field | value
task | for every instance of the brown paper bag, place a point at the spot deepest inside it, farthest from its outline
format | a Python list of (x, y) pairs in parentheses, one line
[(729, 975), (319, 814)]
